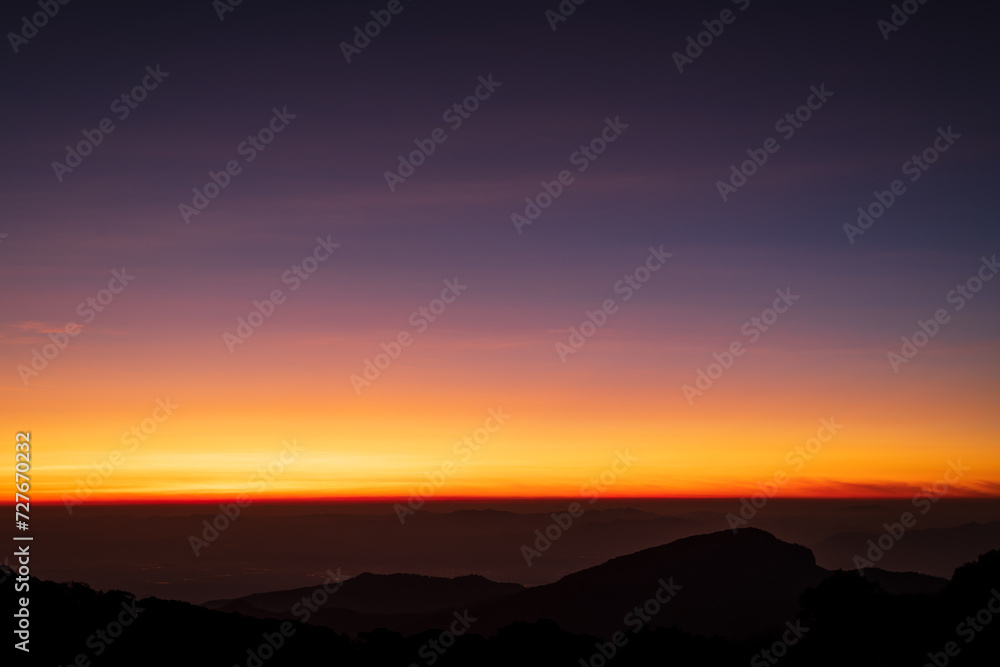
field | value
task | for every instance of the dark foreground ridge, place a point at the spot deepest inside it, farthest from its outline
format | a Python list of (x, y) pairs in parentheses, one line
[(726, 598)]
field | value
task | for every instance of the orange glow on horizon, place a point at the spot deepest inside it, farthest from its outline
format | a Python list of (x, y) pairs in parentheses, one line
[(564, 424)]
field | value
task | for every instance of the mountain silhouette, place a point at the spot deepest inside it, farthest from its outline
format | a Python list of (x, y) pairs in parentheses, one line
[(725, 598), (934, 551), (151, 556), (379, 594), (735, 584)]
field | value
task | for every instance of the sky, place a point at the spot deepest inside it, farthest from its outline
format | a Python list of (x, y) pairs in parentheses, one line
[(162, 394)]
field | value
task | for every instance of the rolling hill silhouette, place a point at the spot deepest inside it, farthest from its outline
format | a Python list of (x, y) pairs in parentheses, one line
[(150, 555), (729, 596), (381, 594), (734, 584), (930, 550)]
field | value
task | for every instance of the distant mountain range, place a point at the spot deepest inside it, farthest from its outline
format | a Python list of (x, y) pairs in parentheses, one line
[(381, 594), (734, 584), (721, 598), (929, 550), (151, 555)]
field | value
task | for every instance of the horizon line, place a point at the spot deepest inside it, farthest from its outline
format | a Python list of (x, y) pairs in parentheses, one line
[(381, 500)]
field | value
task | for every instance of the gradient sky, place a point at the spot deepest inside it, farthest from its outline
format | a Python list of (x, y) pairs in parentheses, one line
[(323, 176)]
